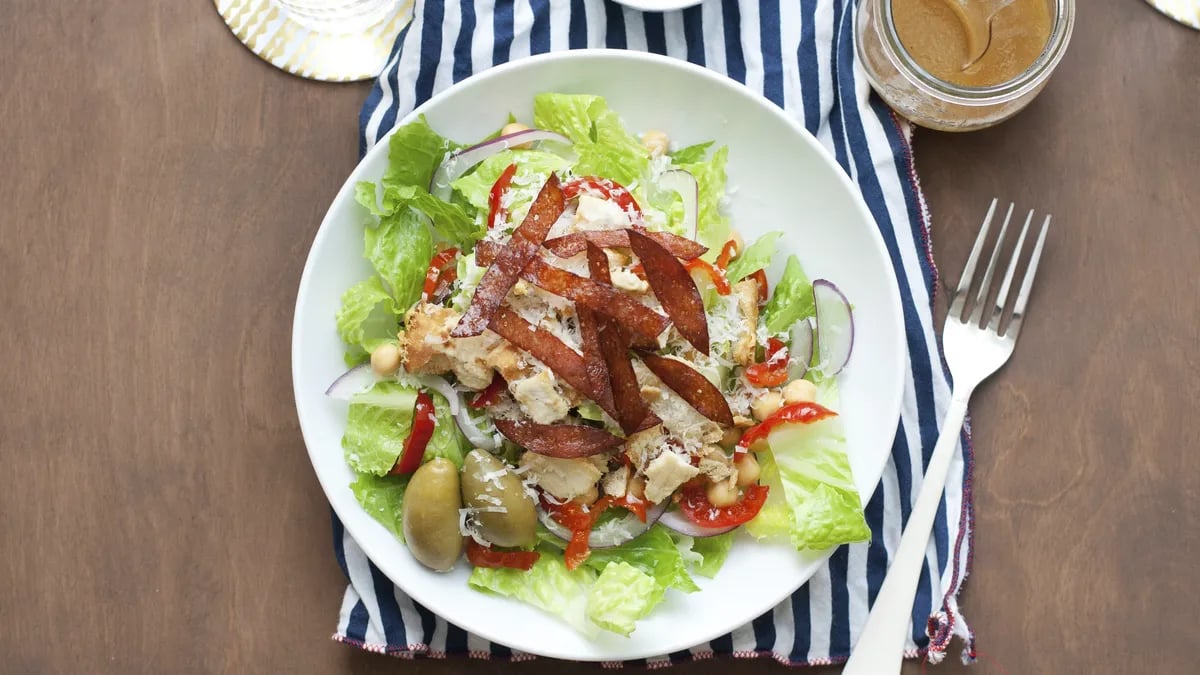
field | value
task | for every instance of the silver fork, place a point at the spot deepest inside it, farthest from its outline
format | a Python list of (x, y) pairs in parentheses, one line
[(973, 353)]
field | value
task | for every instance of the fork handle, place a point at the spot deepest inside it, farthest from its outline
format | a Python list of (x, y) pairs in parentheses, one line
[(880, 646)]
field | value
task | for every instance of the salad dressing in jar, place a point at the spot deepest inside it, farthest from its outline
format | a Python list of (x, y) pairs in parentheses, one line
[(917, 56)]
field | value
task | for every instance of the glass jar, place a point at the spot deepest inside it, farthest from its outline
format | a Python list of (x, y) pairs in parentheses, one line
[(935, 103)]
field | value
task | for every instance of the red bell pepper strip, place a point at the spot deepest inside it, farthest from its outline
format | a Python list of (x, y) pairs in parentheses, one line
[(695, 506), (716, 274), (580, 520), (498, 188), (440, 273), (802, 413), (489, 395), (606, 188), (761, 277), (485, 556), (726, 255), (422, 430), (773, 371)]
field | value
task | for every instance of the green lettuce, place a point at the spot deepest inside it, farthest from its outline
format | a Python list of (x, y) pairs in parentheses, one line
[(813, 498), (451, 220), (691, 154), (620, 596), (708, 554), (400, 249), (605, 148), (533, 167), (448, 441), (712, 227), (366, 319), (548, 585), (653, 553), (415, 151), (381, 497), (376, 426), (756, 257), (792, 300)]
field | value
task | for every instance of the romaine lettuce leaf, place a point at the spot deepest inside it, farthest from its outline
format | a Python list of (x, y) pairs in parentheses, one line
[(548, 585), (620, 596), (712, 552), (447, 442), (381, 497), (605, 148), (756, 257), (533, 167), (366, 319), (792, 299), (451, 220), (712, 227), (807, 464), (400, 248), (415, 151), (691, 154), (653, 553), (376, 426)]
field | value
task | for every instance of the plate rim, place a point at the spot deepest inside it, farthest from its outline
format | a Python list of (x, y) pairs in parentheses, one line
[(346, 192)]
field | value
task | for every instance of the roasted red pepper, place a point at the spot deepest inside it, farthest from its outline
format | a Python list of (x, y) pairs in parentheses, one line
[(580, 520), (498, 188), (485, 556), (726, 255), (802, 413), (761, 277), (604, 187), (442, 272), (491, 394), (695, 506), (717, 275), (630, 503), (773, 371), (422, 430)]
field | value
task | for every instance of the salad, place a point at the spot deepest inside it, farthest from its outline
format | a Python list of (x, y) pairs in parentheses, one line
[(570, 369)]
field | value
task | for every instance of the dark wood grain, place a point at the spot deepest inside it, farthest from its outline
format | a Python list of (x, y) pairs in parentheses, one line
[(161, 187)]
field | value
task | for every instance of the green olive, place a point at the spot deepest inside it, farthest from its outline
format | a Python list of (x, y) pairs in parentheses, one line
[(488, 482), (429, 515)]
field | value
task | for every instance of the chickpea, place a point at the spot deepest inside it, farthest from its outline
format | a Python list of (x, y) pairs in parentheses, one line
[(731, 437), (766, 405), (747, 470), (637, 487), (385, 360), (657, 142), (722, 494), (799, 391), (588, 498), (512, 128)]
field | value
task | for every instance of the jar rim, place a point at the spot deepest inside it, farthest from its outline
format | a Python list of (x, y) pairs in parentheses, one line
[(1030, 79)]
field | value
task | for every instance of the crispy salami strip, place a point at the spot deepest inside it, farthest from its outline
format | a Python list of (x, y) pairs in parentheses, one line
[(573, 244), (601, 298), (691, 387), (593, 357), (545, 347), (674, 288), (632, 413), (564, 441), (510, 260)]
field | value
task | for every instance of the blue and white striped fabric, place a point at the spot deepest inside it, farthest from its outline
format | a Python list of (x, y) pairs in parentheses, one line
[(799, 54)]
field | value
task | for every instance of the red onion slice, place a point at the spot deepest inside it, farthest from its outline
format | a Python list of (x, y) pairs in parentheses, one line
[(354, 381), (678, 180), (610, 534), (460, 161), (801, 352), (680, 523), (462, 414), (835, 326)]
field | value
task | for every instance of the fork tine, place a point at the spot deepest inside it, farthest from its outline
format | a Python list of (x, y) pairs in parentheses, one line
[(1002, 296), (981, 299), (958, 301), (1014, 326)]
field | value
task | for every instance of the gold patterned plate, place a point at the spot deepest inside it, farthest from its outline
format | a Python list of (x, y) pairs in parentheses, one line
[(1186, 12), (330, 40)]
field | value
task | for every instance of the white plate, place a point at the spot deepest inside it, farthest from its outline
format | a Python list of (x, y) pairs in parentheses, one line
[(782, 179)]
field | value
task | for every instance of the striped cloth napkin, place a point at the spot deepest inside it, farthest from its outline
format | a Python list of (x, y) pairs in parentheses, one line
[(799, 54)]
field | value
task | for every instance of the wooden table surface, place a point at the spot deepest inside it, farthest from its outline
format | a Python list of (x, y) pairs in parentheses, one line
[(160, 190)]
